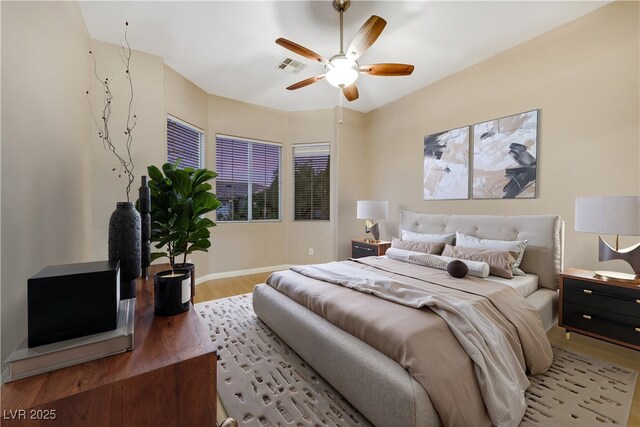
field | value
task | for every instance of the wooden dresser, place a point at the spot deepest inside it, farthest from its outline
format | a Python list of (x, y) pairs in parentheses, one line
[(169, 379), (607, 309)]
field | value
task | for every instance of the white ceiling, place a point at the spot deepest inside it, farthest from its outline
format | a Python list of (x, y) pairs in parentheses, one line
[(228, 47)]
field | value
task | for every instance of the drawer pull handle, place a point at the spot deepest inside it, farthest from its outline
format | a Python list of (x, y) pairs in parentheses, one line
[(637, 329), (586, 316), (587, 291), (638, 301)]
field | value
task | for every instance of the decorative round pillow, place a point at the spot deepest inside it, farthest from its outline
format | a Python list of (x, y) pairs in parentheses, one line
[(457, 269)]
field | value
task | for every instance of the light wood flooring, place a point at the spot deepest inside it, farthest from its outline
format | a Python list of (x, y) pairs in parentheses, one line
[(222, 288)]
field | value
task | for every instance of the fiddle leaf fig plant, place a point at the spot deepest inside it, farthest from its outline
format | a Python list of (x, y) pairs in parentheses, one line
[(179, 200)]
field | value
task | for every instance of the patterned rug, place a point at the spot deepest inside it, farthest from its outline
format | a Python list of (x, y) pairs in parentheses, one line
[(262, 382)]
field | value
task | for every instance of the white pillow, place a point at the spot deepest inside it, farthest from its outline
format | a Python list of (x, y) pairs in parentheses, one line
[(431, 238), (518, 246)]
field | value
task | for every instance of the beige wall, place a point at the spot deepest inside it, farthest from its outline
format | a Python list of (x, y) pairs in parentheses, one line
[(354, 178), (46, 151), (187, 102), (148, 146), (309, 127), (583, 77), (239, 246)]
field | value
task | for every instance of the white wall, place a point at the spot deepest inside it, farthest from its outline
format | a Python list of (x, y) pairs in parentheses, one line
[(46, 149)]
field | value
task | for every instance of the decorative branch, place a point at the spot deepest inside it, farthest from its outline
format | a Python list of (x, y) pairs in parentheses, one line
[(125, 162)]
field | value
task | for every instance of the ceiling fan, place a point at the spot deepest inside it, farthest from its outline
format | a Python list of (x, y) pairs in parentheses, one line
[(342, 70)]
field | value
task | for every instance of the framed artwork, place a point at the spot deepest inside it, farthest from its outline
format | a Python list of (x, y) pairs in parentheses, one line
[(504, 157), (446, 165)]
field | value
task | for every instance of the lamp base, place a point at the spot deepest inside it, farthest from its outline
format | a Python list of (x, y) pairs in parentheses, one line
[(624, 277), (373, 228), (630, 254)]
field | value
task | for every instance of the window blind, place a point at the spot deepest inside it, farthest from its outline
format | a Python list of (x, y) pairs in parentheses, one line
[(184, 142), (248, 182), (311, 182)]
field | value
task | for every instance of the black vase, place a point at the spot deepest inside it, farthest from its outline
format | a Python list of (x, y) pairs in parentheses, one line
[(172, 292), (144, 205), (124, 245)]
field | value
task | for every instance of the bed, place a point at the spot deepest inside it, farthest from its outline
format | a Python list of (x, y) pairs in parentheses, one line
[(378, 386)]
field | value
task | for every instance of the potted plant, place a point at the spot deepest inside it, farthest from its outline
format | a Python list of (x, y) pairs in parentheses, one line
[(179, 200)]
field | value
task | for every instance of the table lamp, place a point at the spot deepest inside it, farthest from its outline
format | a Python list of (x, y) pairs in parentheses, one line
[(619, 215), (372, 210)]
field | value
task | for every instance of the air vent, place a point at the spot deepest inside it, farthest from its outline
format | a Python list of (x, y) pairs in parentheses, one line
[(291, 65)]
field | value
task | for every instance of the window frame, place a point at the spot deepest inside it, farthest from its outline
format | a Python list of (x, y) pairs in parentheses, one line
[(293, 181), (201, 144), (251, 142)]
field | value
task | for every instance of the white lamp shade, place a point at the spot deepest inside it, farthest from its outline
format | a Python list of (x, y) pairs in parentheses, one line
[(372, 209), (608, 215), (342, 72)]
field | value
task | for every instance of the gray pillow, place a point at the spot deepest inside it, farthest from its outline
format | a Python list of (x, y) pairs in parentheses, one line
[(424, 247), (500, 262), (467, 241)]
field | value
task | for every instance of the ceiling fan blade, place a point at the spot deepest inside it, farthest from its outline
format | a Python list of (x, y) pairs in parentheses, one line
[(366, 35), (306, 82), (350, 92), (301, 50), (387, 69)]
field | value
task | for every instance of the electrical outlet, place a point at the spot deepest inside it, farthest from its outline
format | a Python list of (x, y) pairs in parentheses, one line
[(310, 251)]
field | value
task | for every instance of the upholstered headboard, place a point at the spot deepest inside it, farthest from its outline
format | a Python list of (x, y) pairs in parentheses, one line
[(544, 234)]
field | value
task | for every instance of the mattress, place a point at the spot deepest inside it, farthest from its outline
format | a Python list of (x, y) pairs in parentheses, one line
[(524, 285)]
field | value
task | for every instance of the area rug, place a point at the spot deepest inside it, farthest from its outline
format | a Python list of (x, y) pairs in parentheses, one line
[(262, 382)]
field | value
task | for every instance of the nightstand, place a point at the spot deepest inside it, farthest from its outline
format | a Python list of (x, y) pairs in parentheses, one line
[(606, 309), (361, 248)]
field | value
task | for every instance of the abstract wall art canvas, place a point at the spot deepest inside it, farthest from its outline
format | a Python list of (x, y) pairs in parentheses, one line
[(446, 165), (504, 157)]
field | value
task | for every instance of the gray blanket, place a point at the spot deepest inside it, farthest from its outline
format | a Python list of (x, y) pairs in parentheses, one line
[(490, 338)]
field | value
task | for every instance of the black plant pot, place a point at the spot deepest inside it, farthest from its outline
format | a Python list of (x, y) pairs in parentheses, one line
[(172, 292), (192, 269), (124, 245)]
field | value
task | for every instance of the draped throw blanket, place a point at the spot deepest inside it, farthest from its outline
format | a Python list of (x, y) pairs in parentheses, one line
[(468, 343)]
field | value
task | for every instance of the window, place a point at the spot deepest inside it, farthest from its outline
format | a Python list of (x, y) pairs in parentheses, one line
[(311, 182), (248, 182), (184, 142)]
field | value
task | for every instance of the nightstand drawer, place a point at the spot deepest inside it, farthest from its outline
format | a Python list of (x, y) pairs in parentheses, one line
[(601, 322), (359, 250), (604, 297), (363, 248)]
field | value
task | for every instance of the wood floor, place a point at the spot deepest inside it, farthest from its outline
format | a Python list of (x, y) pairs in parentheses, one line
[(221, 288)]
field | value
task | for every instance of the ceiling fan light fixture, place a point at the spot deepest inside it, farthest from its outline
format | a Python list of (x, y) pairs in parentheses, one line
[(342, 71)]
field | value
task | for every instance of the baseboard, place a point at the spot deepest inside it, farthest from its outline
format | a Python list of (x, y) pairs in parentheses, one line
[(235, 273)]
